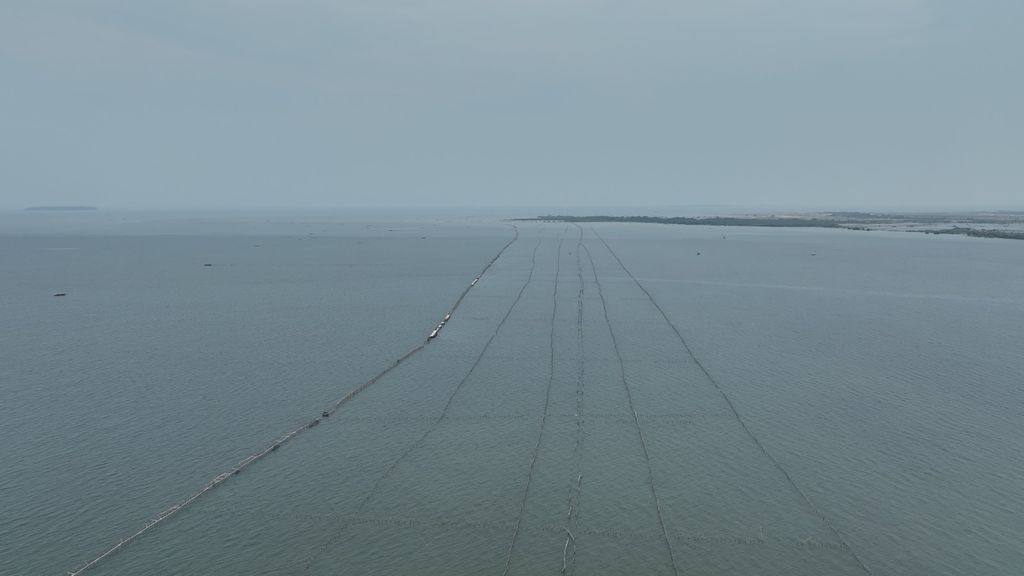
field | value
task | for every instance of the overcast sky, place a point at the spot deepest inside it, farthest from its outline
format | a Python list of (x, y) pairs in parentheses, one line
[(273, 103)]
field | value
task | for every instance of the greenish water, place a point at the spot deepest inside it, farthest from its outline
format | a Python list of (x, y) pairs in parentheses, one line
[(797, 402)]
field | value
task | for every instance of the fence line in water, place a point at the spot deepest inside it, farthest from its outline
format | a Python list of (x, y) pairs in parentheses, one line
[(636, 419), (444, 412), (544, 416), (572, 521), (569, 522), (249, 460), (789, 479)]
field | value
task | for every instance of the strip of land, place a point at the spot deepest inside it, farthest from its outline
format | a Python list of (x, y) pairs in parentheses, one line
[(60, 208), (1004, 224)]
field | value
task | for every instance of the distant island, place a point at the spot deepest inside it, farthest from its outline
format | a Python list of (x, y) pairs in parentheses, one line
[(60, 208), (1002, 224)]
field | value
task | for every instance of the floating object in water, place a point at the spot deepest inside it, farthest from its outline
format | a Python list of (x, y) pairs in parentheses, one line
[(698, 253), (207, 264), (814, 253), (61, 294), (325, 414)]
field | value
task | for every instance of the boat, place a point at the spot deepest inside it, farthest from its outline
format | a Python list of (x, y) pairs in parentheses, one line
[(434, 333), (61, 294)]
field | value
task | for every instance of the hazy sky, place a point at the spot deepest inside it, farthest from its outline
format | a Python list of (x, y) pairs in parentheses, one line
[(262, 103)]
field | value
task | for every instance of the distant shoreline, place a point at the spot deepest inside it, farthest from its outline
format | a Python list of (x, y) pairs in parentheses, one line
[(60, 208), (1006, 225)]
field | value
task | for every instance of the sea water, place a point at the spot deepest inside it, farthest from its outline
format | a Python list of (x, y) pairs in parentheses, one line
[(608, 399)]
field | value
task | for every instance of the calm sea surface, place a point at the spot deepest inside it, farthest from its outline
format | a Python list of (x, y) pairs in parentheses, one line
[(615, 399)]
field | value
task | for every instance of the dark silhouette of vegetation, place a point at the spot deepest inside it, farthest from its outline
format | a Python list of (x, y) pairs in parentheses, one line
[(780, 222), (865, 221), (1007, 234)]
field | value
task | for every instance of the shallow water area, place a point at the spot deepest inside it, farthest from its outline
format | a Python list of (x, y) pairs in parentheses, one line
[(607, 399)]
